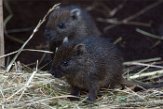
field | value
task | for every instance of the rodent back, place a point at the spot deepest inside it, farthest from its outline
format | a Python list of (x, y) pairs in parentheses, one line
[(97, 49), (91, 55), (70, 21)]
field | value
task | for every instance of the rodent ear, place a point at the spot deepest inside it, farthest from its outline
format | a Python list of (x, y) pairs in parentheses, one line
[(65, 40), (80, 48), (75, 13), (56, 49)]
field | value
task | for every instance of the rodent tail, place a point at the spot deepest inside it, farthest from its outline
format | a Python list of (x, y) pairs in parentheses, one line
[(151, 85), (137, 86)]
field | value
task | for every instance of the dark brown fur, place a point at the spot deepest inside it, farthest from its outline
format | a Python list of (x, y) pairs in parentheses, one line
[(89, 63), (63, 23), (75, 24)]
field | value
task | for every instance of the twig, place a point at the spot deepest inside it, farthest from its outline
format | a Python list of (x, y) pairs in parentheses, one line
[(117, 40), (18, 30), (136, 76), (97, 5), (2, 97), (149, 34), (143, 60), (136, 15), (25, 86), (145, 68), (143, 11), (155, 44), (30, 102), (142, 64), (148, 103), (9, 11), (28, 82), (131, 93), (42, 51), (57, 97), (7, 6), (117, 22), (31, 36), (116, 9)]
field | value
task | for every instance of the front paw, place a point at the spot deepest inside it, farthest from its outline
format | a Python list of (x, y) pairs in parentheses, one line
[(90, 100)]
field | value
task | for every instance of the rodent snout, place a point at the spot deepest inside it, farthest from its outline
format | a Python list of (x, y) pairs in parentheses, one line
[(56, 72), (49, 34)]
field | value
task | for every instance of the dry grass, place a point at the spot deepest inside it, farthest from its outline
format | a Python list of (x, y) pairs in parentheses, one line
[(34, 89), (25, 88)]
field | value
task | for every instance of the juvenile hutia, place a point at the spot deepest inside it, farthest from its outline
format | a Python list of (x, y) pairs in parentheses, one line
[(68, 21), (88, 63)]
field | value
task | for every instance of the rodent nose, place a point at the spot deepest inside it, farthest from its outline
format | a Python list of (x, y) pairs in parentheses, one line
[(49, 34), (56, 73)]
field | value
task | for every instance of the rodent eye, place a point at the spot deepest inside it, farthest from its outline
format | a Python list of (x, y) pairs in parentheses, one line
[(61, 25), (65, 63)]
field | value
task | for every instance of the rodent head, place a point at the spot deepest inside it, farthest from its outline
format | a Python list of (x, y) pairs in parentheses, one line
[(68, 60), (62, 23)]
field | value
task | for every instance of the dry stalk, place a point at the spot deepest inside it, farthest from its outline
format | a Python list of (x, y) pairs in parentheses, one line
[(125, 20), (31, 36), (131, 92), (144, 60), (14, 52), (138, 76), (143, 64), (25, 86), (149, 34), (28, 82), (148, 103)]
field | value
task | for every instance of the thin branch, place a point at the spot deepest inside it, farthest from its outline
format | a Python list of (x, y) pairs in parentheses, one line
[(143, 60), (28, 82), (143, 64), (19, 30), (138, 76), (149, 34), (14, 52), (147, 103), (31, 36), (117, 22), (136, 15)]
